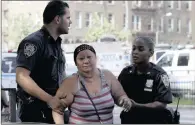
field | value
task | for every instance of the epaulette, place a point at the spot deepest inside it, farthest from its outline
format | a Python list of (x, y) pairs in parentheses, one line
[(158, 69)]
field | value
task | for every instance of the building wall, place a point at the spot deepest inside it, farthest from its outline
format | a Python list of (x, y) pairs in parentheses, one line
[(193, 22), (155, 12), (118, 10)]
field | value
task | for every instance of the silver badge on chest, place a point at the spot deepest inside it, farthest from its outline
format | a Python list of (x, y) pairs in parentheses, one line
[(149, 85)]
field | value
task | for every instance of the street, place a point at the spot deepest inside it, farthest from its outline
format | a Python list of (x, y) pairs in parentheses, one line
[(187, 116)]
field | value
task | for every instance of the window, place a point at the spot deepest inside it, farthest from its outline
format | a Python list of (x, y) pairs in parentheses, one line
[(188, 5), (110, 18), (88, 1), (100, 2), (170, 4), (136, 23), (183, 60), (178, 25), (170, 25), (79, 1), (9, 65), (101, 17), (78, 20), (178, 5), (150, 25), (161, 25), (150, 3), (88, 19), (110, 1), (159, 54), (189, 26), (166, 61), (124, 20), (137, 3), (161, 3)]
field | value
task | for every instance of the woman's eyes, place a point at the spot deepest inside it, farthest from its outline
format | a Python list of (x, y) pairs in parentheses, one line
[(89, 57), (81, 58)]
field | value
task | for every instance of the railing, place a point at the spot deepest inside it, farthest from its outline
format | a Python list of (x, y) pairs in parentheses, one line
[(12, 103)]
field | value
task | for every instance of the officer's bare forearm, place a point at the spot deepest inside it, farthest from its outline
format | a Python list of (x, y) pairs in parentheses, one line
[(155, 104), (58, 118), (29, 86)]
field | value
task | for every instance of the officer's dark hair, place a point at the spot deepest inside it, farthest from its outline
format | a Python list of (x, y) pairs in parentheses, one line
[(148, 40), (54, 8)]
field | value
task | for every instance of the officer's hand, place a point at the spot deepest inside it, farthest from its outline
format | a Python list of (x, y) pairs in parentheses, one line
[(56, 105), (125, 103)]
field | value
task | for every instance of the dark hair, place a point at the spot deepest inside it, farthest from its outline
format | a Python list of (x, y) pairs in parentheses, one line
[(81, 48), (149, 42), (54, 8)]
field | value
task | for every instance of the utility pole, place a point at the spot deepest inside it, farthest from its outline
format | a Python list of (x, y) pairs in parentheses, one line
[(105, 9), (127, 20)]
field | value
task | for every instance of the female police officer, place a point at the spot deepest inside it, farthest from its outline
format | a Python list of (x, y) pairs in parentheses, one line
[(146, 84)]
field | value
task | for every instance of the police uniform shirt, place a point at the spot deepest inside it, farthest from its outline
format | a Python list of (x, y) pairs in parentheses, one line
[(146, 88), (43, 57)]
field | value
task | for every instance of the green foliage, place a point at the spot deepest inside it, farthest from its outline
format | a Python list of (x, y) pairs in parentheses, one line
[(97, 30), (18, 27)]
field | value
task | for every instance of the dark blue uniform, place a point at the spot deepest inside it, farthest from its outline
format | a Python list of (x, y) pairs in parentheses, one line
[(43, 57), (144, 88)]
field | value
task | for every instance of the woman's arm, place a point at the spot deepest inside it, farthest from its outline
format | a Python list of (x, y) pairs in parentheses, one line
[(58, 118), (155, 104), (66, 94), (117, 90)]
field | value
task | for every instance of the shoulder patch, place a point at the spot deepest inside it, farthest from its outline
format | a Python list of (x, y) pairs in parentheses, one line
[(29, 49), (165, 80)]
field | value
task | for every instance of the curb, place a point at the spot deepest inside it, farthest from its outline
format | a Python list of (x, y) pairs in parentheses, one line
[(182, 106), (172, 106)]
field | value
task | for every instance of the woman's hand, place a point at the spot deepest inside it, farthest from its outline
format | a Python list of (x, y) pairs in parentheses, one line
[(126, 103)]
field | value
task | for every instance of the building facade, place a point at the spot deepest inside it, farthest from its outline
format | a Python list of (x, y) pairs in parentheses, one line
[(164, 21)]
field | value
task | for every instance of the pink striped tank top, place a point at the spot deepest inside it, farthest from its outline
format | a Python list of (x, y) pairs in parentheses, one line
[(82, 110)]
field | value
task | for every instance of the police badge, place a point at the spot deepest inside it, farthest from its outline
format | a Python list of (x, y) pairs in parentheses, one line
[(165, 80), (29, 49)]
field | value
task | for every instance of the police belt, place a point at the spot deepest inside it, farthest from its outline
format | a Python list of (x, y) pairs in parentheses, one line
[(147, 116)]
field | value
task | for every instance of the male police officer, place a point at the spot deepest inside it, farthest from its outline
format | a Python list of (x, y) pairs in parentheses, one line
[(41, 65), (147, 85)]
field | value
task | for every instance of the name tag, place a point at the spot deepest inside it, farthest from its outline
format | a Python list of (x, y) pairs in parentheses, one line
[(147, 89)]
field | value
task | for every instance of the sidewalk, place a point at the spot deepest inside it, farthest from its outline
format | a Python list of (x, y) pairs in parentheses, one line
[(182, 106)]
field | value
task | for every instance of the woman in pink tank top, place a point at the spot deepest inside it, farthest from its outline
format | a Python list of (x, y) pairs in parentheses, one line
[(91, 93)]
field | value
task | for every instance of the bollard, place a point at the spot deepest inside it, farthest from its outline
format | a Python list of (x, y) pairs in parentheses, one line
[(12, 103), (12, 97)]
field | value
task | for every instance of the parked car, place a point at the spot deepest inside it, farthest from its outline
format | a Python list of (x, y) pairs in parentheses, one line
[(180, 66)]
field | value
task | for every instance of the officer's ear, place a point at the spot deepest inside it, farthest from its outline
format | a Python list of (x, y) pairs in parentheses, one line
[(57, 19), (151, 52)]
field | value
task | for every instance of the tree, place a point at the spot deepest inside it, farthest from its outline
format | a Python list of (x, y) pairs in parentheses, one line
[(97, 30), (18, 27)]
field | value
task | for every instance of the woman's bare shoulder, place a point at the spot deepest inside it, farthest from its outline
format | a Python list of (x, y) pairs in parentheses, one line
[(70, 82), (109, 76), (107, 73)]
